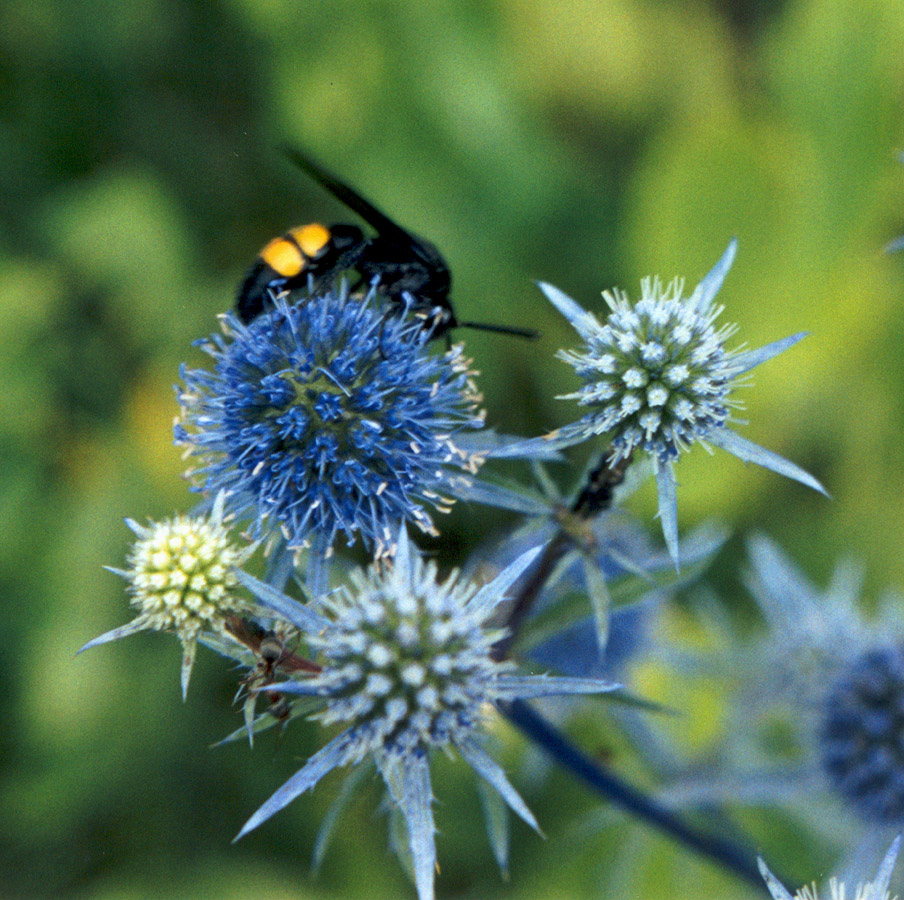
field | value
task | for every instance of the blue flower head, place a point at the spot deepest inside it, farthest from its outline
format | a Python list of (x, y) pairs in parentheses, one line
[(408, 669), (659, 378), (830, 681), (330, 416), (861, 735)]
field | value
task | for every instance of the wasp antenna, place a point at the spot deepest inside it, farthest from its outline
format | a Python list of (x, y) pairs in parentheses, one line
[(527, 333)]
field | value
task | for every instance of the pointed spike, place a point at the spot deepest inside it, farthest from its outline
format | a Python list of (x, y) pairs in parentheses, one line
[(417, 800), (666, 489), (776, 888), (600, 601), (526, 687), (114, 634), (496, 817), (883, 875), (141, 531), (402, 563), (488, 769), (297, 613), (584, 323), (708, 288), (492, 593), (325, 760), (749, 452), (750, 359), (189, 650)]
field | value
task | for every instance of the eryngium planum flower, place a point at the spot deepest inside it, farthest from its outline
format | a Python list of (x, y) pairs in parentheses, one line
[(408, 669), (813, 707), (181, 575), (877, 889), (330, 416), (659, 378), (862, 733)]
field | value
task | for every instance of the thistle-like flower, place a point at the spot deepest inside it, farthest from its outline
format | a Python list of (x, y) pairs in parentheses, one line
[(331, 416), (181, 579), (850, 694), (407, 669), (658, 378), (830, 682), (877, 889), (862, 733)]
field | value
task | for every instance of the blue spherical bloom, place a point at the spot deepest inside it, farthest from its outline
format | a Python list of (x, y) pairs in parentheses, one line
[(330, 416), (659, 378), (862, 733), (814, 707), (408, 669)]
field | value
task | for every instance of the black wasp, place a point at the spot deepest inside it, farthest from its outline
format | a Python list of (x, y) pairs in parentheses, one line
[(406, 268)]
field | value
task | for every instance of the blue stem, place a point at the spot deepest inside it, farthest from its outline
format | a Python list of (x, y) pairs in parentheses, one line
[(727, 854)]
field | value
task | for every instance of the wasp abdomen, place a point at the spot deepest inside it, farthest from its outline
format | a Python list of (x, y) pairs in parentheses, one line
[(287, 261)]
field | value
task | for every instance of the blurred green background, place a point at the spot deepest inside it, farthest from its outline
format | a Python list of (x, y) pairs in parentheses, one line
[(583, 142)]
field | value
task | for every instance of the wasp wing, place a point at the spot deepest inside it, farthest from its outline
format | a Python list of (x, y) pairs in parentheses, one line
[(347, 195)]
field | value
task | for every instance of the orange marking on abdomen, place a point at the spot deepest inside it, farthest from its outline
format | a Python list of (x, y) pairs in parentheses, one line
[(283, 257), (311, 238)]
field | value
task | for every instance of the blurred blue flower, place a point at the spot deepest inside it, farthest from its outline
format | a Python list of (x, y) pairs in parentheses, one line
[(608, 562), (862, 733), (877, 889), (814, 707), (408, 669), (658, 378), (330, 416), (633, 599)]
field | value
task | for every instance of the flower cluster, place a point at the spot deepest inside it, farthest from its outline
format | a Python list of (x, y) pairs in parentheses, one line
[(333, 413), (658, 378), (657, 373), (831, 681)]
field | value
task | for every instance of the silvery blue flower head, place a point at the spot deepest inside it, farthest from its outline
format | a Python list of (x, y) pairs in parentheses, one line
[(659, 378), (408, 669), (329, 417), (831, 681), (877, 889)]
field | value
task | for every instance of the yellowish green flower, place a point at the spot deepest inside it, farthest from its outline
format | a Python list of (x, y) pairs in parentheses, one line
[(180, 579)]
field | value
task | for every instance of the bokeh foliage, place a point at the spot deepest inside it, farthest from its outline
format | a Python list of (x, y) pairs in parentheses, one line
[(584, 142)]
